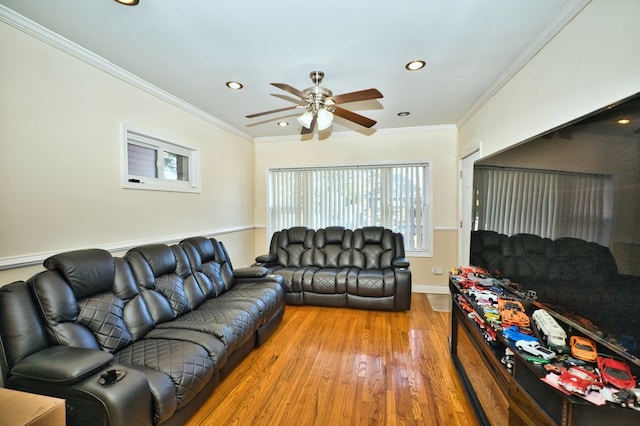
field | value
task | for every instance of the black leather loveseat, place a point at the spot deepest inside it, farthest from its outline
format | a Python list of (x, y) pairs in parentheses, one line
[(575, 275), (138, 340), (334, 266)]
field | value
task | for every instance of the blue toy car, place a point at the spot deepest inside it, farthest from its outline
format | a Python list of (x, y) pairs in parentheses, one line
[(513, 333)]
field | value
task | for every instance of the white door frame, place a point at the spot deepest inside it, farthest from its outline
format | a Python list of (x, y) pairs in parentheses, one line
[(465, 203)]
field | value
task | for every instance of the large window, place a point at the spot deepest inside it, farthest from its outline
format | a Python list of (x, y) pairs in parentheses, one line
[(546, 203), (394, 196), (154, 163)]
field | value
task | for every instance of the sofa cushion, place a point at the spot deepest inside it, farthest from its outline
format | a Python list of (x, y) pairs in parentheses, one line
[(188, 365)]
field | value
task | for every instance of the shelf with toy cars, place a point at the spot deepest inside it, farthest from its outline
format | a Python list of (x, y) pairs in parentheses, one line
[(530, 358)]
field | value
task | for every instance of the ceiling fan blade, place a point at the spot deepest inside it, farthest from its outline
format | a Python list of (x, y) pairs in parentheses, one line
[(273, 111), (352, 116), (361, 95), (306, 131), (291, 90)]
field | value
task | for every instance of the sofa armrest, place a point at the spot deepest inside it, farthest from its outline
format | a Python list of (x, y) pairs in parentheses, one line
[(250, 272), (61, 364), (266, 259), (400, 262)]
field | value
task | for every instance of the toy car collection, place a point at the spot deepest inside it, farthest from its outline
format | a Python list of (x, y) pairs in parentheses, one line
[(499, 310)]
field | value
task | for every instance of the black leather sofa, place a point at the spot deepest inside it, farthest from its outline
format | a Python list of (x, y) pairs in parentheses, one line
[(138, 340), (333, 266), (574, 275)]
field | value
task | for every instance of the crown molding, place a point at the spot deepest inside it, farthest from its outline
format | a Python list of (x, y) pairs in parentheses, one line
[(568, 12), (41, 33)]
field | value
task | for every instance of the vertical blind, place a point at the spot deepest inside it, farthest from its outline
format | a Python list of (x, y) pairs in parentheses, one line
[(546, 203), (353, 197)]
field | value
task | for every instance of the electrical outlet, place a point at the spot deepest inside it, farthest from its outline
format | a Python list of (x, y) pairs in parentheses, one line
[(436, 271)]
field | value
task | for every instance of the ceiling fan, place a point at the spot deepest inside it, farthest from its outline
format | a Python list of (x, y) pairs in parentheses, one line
[(321, 105)]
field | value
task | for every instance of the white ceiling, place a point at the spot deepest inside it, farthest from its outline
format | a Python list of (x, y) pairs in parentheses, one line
[(189, 49)]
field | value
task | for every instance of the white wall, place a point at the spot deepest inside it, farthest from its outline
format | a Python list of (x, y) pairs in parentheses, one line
[(591, 63), (60, 163), (436, 145)]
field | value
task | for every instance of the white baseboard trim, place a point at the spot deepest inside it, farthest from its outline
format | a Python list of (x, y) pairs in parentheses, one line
[(433, 289)]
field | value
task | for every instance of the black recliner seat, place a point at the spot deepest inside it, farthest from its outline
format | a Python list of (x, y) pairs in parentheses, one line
[(176, 301), (212, 269)]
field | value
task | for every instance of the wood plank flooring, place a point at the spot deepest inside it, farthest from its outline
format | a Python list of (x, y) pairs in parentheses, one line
[(335, 366)]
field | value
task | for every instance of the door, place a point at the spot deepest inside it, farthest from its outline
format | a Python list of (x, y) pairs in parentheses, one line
[(466, 206)]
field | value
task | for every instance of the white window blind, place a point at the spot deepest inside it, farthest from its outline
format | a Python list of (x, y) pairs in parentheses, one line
[(392, 196), (546, 203)]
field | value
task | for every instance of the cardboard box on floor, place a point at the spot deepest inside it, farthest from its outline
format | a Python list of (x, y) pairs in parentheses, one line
[(22, 408)]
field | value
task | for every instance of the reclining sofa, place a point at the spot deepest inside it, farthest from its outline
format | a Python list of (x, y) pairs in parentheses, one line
[(360, 268), (576, 276), (138, 340)]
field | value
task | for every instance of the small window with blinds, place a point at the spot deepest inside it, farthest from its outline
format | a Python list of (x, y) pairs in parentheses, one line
[(155, 163), (393, 196)]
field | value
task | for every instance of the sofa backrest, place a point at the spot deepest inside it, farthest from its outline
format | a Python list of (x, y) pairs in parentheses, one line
[(210, 265), (22, 331), (372, 247), (530, 257), (164, 280), (76, 300), (293, 246), (375, 247), (332, 247)]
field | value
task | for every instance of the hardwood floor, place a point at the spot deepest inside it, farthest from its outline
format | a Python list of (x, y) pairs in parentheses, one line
[(334, 366)]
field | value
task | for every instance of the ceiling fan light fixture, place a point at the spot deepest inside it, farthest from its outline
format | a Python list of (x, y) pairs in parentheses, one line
[(128, 2), (305, 119), (325, 119), (415, 65)]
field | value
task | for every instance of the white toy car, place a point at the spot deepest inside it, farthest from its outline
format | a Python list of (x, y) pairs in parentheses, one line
[(534, 348)]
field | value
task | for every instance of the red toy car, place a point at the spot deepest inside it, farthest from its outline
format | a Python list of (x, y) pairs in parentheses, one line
[(580, 381), (615, 373)]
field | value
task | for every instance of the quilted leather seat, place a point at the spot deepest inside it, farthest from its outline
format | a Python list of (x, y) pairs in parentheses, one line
[(335, 266), (212, 269)]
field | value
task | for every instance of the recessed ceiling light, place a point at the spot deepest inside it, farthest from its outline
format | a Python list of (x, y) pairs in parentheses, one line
[(415, 65), (234, 85), (403, 113), (624, 121), (128, 2), (283, 123)]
